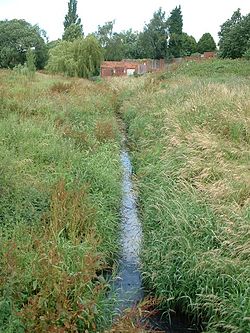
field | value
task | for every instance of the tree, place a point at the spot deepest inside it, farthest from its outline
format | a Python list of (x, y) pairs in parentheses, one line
[(16, 38), (153, 40), (72, 23), (129, 41), (71, 17), (175, 45), (175, 21), (189, 45), (72, 32), (105, 33), (117, 46), (53, 43), (206, 43), (235, 36), (175, 25), (108, 40), (81, 57)]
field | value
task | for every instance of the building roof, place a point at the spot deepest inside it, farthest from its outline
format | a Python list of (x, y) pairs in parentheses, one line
[(123, 64)]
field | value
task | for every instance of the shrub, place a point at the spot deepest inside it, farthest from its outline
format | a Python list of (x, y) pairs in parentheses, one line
[(246, 55)]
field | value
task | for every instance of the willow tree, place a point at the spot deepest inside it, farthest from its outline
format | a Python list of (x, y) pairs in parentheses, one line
[(81, 57)]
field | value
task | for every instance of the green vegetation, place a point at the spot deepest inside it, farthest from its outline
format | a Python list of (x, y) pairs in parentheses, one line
[(59, 203), (16, 38), (60, 193), (234, 36), (162, 37), (175, 25), (81, 57), (189, 132), (218, 68), (153, 39), (72, 23), (206, 43), (189, 45), (31, 60)]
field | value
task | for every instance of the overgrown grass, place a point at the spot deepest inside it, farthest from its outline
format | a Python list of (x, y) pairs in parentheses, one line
[(190, 136), (215, 68), (60, 196), (59, 203)]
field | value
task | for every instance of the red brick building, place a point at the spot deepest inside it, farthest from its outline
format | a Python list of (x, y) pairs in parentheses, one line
[(128, 67), (209, 55), (118, 68)]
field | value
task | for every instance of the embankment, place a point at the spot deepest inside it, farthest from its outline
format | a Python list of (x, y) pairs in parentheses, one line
[(189, 133)]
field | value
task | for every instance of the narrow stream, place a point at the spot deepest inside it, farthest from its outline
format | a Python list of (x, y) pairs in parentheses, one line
[(127, 287), (128, 284)]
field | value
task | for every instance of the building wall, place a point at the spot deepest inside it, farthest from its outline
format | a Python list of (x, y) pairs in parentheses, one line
[(208, 55), (143, 66)]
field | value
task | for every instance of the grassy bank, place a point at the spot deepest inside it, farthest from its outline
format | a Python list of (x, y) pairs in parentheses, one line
[(59, 202), (189, 133)]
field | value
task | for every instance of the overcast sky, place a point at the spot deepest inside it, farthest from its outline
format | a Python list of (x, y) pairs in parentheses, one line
[(199, 16)]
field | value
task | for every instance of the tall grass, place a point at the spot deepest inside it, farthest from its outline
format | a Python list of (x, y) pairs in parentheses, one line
[(189, 132), (59, 203)]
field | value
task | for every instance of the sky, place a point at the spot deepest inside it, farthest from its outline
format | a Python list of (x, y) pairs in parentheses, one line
[(199, 16)]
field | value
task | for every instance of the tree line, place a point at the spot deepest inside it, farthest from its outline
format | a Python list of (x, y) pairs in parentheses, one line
[(77, 55)]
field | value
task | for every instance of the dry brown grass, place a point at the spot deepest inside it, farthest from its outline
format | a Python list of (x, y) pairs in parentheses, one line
[(135, 319), (105, 130), (61, 87)]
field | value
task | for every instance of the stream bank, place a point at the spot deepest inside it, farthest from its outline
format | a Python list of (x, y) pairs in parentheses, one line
[(128, 284)]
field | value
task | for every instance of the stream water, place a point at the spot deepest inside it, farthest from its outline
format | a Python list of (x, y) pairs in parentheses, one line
[(127, 286), (128, 283)]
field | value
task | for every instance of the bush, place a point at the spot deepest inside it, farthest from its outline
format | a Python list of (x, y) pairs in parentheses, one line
[(246, 55)]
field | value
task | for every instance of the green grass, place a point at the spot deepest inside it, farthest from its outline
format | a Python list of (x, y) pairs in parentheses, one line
[(189, 132), (60, 194), (59, 203), (215, 68)]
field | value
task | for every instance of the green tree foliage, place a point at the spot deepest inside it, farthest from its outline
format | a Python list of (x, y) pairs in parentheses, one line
[(153, 40), (130, 43), (235, 36), (53, 43), (109, 41), (175, 21), (74, 31), (175, 25), (16, 37), (72, 23), (189, 45), (105, 33), (71, 17), (115, 50), (175, 45), (206, 43), (117, 46), (81, 57)]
